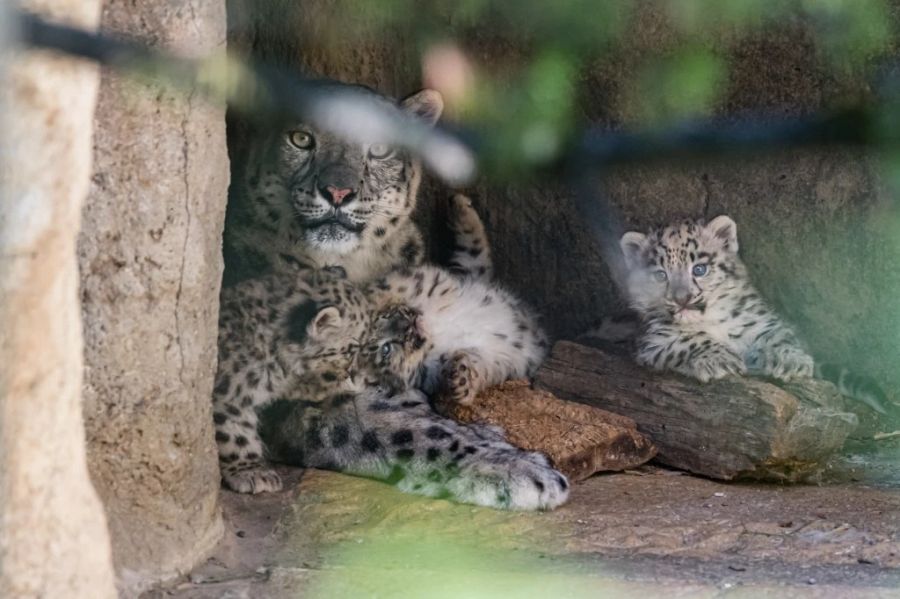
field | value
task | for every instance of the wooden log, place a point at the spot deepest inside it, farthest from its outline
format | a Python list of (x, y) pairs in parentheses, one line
[(580, 440), (725, 429)]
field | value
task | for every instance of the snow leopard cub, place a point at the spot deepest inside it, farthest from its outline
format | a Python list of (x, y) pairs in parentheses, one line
[(453, 332), (279, 334), (702, 317)]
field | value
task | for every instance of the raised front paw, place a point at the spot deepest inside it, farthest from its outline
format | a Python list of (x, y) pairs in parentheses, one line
[(254, 479), (463, 217), (527, 483), (788, 363), (715, 364)]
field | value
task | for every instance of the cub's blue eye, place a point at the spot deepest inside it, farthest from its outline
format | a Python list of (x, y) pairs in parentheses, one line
[(700, 270), (660, 275), (386, 349)]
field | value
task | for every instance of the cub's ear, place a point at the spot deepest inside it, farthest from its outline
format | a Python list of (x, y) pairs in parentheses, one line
[(632, 244), (327, 319), (307, 321), (724, 231), (427, 104)]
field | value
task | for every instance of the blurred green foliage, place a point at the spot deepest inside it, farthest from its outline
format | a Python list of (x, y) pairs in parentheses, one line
[(529, 100)]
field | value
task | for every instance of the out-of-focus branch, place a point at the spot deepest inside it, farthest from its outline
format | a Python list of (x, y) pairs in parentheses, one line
[(264, 93), (600, 148)]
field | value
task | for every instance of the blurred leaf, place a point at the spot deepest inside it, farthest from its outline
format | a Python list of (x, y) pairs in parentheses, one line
[(685, 85)]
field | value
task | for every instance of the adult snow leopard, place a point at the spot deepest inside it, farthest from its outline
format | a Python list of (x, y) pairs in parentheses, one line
[(702, 317), (309, 199)]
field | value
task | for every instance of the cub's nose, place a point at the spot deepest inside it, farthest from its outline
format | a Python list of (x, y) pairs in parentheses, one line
[(682, 298), (337, 195)]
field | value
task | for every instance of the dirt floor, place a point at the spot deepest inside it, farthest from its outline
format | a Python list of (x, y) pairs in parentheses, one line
[(648, 533)]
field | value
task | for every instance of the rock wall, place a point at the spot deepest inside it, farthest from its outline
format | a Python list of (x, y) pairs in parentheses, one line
[(53, 535), (150, 260), (818, 229)]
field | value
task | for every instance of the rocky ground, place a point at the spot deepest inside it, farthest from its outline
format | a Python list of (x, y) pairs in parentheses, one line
[(638, 534)]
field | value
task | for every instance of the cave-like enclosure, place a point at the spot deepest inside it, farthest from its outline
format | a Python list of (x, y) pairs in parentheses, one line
[(819, 230)]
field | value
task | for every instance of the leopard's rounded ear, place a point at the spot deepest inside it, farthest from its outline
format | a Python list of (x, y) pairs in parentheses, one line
[(723, 230), (327, 319), (632, 244), (307, 320), (427, 104)]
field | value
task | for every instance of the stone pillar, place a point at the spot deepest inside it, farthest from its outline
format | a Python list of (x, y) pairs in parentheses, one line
[(150, 258), (53, 535)]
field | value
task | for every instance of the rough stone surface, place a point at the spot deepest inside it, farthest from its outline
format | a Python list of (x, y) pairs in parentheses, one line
[(150, 259), (645, 534), (53, 535), (818, 229)]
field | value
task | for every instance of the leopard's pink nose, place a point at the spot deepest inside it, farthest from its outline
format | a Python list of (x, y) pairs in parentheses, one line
[(337, 195)]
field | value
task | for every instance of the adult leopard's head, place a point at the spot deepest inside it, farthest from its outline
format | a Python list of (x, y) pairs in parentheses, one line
[(682, 268), (340, 194), (392, 349)]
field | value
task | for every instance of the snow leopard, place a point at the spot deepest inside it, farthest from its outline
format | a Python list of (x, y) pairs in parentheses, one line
[(309, 199), (278, 334), (284, 392), (451, 332), (702, 317)]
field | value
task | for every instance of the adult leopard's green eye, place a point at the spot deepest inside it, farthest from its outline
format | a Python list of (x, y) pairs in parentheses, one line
[(380, 150), (301, 139)]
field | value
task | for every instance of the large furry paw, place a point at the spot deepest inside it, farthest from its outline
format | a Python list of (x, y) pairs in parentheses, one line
[(256, 479), (715, 365), (525, 482)]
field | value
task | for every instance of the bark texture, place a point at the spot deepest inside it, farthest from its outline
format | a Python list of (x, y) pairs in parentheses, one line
[(580, 440), (725, 429)]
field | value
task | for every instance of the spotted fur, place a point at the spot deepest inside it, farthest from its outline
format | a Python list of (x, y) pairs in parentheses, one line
[(279, 334), (399, 439), (308, 199), (284, 393), (451, 332), (701, 315)]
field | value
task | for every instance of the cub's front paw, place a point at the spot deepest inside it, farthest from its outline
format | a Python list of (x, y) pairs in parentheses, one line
[(461, 380), (716, 365), (255, 479), (789, 363)]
